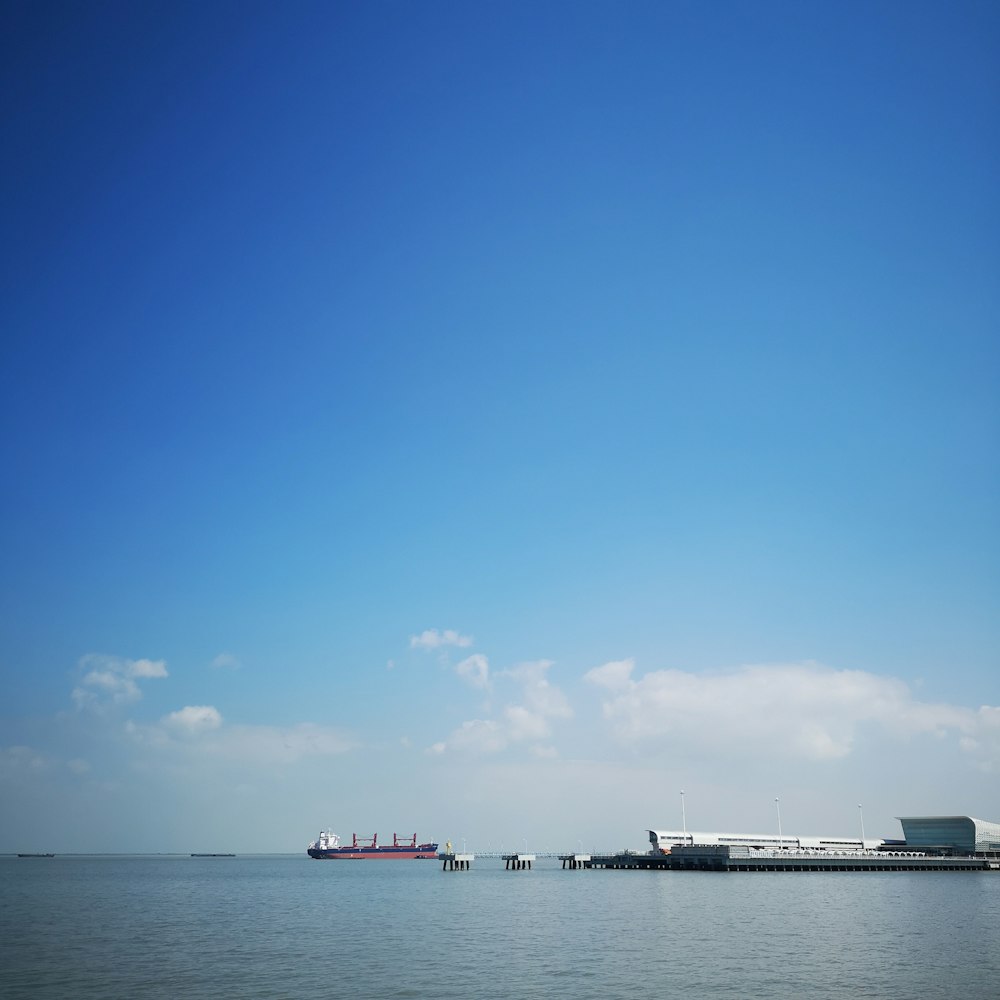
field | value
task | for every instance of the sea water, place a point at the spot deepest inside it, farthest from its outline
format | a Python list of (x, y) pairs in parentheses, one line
[(287, 926)]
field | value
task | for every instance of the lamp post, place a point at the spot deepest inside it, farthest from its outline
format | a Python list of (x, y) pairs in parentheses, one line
[(861, 813), (684, 822), (777, 807)]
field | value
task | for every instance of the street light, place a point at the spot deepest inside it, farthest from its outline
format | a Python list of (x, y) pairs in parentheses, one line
[(777, 807), (684, 821), (861, 813)]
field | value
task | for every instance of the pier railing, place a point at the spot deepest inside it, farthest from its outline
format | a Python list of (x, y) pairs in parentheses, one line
[(501, 854)]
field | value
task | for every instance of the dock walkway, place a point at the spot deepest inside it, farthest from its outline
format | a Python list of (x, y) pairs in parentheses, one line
[(728, 858), (724, 858)]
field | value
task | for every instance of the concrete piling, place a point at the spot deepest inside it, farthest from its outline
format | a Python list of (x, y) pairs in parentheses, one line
[(456, 862)]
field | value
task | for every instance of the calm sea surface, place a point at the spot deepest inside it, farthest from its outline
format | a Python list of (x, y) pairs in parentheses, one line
[(281, 926)]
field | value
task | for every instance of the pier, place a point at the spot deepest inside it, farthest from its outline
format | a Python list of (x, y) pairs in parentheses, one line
[(727, 858), (733, 858), (625, 859), (456, 862), (518, 862)]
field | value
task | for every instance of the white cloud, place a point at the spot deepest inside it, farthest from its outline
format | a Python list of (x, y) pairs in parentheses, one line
[(523, 724), (476, 670), (146, 668), (19, 760), (540, 696), (803, 709), (433, 639), (615, 676), (226, 661), (111, 680), (525, 721), (201, 731), (982, 740), (478, 736), (194, 719)]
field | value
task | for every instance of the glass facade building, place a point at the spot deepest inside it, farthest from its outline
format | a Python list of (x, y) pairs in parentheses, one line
[(960, 834)]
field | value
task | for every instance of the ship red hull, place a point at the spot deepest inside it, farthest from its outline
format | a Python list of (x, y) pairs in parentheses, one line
[(375, 854)]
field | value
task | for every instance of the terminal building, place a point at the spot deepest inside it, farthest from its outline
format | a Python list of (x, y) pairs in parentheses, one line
[(665, 840), (951, 835), (933, 835)]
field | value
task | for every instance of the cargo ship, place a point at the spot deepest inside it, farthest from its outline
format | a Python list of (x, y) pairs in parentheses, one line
[(327, 847)]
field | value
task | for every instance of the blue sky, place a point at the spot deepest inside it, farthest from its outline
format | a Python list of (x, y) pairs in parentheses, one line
[(490, 419)]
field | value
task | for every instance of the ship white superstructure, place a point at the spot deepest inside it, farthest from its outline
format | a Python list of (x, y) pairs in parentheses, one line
[(326, 841)]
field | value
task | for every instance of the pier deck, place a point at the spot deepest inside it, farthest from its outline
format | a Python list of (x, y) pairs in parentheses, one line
[(518, 862), (746, 859), (456, 862)]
